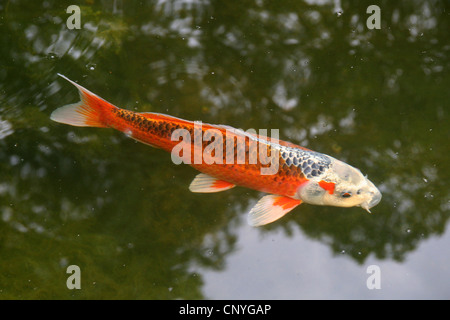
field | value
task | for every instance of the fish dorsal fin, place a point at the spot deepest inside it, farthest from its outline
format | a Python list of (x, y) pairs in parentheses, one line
[(270, 208), (204, 183)]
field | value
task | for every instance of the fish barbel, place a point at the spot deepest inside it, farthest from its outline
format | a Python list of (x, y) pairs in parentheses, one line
[(227, 157)]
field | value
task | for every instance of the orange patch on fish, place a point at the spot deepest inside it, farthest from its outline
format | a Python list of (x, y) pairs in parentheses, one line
[(328, 186), (220, 184), (286, 203)]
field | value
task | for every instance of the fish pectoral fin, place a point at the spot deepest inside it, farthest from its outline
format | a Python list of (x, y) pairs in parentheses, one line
[(270, 208), (204, 183)]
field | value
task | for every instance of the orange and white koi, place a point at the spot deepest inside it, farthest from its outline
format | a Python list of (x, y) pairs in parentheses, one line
[(302, 175)]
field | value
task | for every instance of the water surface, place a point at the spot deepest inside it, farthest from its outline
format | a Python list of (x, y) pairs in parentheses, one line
[(122, 212)]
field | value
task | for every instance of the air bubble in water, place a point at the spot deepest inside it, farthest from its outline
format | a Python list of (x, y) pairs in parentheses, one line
[(91, 66), (52, 56)]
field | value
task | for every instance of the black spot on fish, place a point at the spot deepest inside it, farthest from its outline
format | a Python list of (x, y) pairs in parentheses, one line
[(307, 170), (288, 161), (295, 160), (167, 127), (314, 173)]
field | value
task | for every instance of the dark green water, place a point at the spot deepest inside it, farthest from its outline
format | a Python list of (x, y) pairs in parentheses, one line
[(122, 211)]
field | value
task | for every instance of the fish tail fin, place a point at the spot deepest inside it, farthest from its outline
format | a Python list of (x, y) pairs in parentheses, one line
[(90, 111)]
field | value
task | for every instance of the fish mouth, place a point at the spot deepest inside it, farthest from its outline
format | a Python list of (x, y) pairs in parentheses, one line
[(375, 198)]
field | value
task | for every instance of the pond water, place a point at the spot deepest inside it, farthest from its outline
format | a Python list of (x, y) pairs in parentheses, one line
[(122, 212)]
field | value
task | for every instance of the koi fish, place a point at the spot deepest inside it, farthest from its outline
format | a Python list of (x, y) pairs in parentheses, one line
[(302, 175)]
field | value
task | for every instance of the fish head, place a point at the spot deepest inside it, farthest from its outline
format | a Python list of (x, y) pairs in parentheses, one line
[(341, 186)]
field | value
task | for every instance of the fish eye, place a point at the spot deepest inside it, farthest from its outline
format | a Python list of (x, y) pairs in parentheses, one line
[(346, 194)]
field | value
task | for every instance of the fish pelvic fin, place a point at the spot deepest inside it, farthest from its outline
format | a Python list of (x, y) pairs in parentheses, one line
[(270, 208), (204, 183), (89, 112)]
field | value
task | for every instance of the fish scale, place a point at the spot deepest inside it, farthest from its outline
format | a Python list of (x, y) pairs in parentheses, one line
[(312, 164)]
